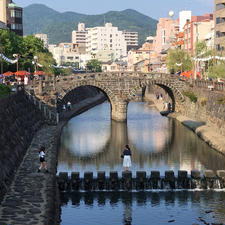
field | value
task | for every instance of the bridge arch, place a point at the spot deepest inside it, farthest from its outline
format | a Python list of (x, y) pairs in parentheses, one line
[(174, 93), (118, 106), (63, 91)]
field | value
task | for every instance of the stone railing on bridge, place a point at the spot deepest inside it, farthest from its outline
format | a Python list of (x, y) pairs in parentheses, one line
[(211, 85)]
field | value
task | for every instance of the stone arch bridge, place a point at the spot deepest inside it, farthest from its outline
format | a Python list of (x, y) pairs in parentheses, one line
[(120, 89)]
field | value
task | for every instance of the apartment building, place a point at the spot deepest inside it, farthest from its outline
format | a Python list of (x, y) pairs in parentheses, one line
[(12, 16), (219, 25), (64, 55), (131, 39), (200, 28), (44, 38), (79, 39), (99, 37), (167, 29)]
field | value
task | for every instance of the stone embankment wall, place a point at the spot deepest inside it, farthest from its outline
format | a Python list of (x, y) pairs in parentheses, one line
[(19, 120), (209, 108)]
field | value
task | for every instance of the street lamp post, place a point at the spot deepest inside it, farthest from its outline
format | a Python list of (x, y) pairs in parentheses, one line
[(35, 63), (17, 63)]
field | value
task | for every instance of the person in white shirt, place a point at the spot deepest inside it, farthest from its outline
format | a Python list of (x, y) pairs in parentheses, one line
[(42, 154)]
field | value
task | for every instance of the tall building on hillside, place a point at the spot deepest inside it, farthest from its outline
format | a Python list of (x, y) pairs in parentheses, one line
[(12, 16), (132, 39), (44, 38), (220, 25), (79, 38), (15, 18), (99, 38)]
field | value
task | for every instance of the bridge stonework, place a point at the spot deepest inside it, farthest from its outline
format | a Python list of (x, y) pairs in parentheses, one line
[(121, 88)]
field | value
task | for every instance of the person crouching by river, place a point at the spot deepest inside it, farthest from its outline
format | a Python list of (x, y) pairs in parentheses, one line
[(127, 157), (42, 154)]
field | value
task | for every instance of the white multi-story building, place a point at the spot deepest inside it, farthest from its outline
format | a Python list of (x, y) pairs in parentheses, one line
[(44, 38), (64, 54), (132, 39), (184, 16), (99, 37), (79, 38)]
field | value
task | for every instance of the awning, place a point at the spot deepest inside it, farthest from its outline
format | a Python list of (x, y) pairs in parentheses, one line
[(22, 73), (9, 73), (190, 74)]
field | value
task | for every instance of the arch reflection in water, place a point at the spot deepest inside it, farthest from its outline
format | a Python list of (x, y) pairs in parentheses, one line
[(91, 142), (143, 208), (152, 133)]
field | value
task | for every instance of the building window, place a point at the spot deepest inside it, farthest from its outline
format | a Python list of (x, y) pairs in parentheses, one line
[(220, 6), (16, 26), (16, 14), (220, 20)]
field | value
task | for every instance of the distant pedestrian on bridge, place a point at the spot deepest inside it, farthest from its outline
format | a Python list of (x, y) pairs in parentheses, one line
[(42, 154), (127, 157), (69, 106)]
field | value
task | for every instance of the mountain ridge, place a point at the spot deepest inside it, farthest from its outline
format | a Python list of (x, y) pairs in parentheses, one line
[(39, 18)]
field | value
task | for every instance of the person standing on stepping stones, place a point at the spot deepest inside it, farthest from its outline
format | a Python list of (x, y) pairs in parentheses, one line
[(42, 154), (127, 157)]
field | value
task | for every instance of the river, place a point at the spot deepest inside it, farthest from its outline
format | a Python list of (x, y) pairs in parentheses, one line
[(92, 142)]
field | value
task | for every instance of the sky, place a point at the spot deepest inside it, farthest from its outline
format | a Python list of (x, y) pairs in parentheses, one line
[(153, 8)]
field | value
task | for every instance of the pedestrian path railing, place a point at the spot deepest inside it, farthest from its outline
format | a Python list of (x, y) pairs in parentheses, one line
[(49, 113)]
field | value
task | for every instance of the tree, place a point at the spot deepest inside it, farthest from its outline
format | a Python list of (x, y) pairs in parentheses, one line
[(218, 70), (201, 49), (46, 60), (178, 60), (27, 48), (94, 66)]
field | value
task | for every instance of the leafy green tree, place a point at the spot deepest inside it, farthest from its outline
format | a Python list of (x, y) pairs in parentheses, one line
[(46, 60), (94, 66), (218, 70), (176, 57), (200, 49), (27, 48)]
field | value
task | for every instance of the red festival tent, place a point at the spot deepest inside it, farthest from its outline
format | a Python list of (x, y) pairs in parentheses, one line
[(8, 74), (22, 73), (190, 74)]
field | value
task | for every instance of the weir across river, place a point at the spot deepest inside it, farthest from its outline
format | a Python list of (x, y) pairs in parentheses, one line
[(141, 182)]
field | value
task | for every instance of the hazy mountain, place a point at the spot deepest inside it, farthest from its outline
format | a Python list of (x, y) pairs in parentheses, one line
[(39, 18)]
